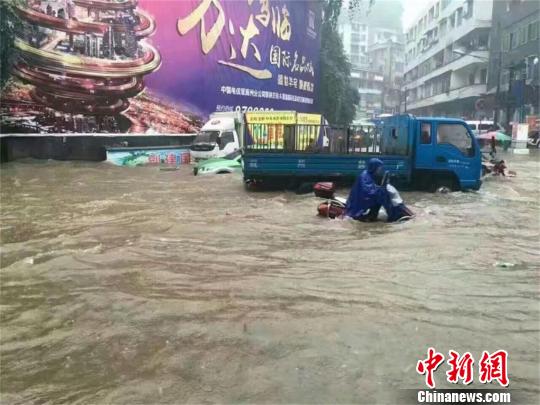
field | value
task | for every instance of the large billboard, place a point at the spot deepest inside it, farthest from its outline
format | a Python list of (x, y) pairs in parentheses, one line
[(158, 66)]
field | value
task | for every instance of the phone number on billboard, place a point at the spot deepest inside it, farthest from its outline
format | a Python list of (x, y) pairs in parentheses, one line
[(241, 108)]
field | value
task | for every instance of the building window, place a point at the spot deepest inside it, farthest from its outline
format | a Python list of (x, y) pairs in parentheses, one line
[(513, 40), (442, 27), (468, 9), (532, 34), (522, 35), (505, 43), (355, 37), (355, 49), (471, 78), (483, 42), (446, 84), (483, 76), (459, 13)]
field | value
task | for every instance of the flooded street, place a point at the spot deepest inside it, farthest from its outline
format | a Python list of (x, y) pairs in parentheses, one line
[(134, 285)]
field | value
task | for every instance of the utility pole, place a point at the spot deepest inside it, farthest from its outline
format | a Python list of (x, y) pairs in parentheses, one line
[(498, 91), (509, 109), (406, 97), (499, 73)]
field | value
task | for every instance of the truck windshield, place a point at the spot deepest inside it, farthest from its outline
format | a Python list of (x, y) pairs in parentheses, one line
[(206, 137)]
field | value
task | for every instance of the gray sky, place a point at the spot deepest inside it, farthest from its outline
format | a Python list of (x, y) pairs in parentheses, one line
[(412, 9)]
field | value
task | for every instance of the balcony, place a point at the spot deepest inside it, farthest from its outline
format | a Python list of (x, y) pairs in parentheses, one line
[(451, 35), (479, 58), (474, 90)]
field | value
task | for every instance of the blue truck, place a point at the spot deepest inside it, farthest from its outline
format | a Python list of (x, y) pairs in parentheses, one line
[(420, 153)]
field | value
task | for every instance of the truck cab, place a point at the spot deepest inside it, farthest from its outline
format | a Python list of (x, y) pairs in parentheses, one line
[(446, 154), (220, 136)]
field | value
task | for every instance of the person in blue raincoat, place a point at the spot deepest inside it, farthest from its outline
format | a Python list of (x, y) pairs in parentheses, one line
[(369, 194)]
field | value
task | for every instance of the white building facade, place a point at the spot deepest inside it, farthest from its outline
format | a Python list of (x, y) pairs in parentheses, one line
[(446, 56), (362, 33), (355, 41)]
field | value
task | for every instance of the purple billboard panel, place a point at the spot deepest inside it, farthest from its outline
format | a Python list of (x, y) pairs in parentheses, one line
[(157, 66), (225, 55)]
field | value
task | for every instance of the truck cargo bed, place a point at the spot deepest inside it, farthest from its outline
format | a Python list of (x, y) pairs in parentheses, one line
[(272, 166)]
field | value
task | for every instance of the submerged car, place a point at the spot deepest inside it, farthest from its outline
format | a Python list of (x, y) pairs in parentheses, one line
[(228, 164)]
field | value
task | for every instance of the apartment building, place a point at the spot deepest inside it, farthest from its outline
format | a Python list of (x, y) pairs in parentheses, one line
[(514, 66), (446, 54), (355, 40), (368, 34), (387, 58)]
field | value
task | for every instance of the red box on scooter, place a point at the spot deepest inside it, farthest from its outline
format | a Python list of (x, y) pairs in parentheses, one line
[(324, 190)]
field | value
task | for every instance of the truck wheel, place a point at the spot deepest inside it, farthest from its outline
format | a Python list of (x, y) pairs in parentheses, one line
[(250, 185), (443, 185), (305, 188), (292, 185)]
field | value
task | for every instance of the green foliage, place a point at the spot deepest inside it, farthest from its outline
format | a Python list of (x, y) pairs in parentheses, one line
[(337, 98), (336, 95), (9, 23)]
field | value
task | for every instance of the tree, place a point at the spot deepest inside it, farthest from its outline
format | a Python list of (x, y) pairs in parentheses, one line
[(338, 97), (9, 24)]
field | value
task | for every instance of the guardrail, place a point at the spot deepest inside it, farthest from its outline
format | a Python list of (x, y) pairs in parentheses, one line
[(312, 139)]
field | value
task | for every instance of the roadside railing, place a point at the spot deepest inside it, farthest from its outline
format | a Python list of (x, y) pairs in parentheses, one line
[(312, 139)]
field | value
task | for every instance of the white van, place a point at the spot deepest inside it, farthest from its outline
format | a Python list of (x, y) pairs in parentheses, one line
[(220, 136), (480, 127)]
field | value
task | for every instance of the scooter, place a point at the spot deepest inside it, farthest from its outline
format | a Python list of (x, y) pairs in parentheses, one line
[(496, 167), (334, 207), (493, 166)]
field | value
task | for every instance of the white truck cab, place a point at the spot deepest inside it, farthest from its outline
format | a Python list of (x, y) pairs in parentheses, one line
[(221, 135)]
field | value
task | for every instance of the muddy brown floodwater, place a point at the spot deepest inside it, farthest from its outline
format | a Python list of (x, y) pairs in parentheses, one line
[(134, 285)]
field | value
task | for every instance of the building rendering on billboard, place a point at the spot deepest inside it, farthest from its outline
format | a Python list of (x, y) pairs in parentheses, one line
[(158, 66)]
